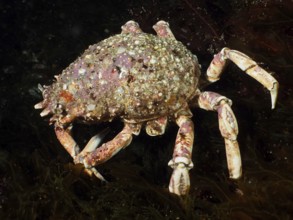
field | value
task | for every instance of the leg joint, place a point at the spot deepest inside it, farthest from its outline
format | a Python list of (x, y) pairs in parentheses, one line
[(211, 101), (180, 160)]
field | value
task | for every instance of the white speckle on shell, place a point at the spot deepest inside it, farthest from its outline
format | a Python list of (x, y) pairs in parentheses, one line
[(122, 73), (90, 107), (81, 71), (88, 57), (153, 60), (120, 91), (150, 105), (131, 53), (121, 50), (103, 82)]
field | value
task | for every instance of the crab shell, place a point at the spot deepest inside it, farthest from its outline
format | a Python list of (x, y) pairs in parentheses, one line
[(135, 76)]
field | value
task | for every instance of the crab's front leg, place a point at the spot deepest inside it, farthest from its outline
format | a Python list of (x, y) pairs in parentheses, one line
[(246, 64), (181, 161), (103, 153), (65, 138)]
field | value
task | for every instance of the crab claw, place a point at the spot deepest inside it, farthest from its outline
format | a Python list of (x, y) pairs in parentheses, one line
[(95, 141), (91, 146), (93, 171), (246, 64), (88, 169), (180, 182)]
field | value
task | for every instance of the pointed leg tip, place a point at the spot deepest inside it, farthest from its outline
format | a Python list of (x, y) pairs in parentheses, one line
[(179, 192), (235, 174), (274, 94), (93, 171), (180, 181)]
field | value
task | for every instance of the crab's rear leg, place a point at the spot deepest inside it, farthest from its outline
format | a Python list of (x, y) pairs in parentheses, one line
[(181, 161), (162, 29), (228, 127), (131, 27), (109, 149), (246, 64)]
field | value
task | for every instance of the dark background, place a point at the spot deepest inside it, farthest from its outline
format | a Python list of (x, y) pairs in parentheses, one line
[(37, 178)]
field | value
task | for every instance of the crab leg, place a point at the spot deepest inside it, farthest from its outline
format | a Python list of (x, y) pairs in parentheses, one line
[(157, 126), (228, 127), (131, 27), (246, 64), (162, 29), (65, 138), (109, 149), (181, 161)]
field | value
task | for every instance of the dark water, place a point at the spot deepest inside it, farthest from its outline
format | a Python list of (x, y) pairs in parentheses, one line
[(37, 178)]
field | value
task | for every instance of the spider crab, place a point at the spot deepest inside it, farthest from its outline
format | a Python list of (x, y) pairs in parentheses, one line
[(146, 81)]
